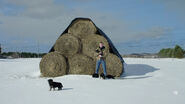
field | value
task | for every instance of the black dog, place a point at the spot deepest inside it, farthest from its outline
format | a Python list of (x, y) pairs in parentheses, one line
[(110, 77), (54, 85), (102, 76), (95, 75), (107, 76)]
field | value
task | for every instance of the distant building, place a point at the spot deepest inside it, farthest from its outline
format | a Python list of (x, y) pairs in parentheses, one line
[(15, 55), (0, 49), (1, 56), (142, 55)]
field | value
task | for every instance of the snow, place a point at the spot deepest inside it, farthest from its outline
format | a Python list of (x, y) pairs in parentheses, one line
[(146, 81)]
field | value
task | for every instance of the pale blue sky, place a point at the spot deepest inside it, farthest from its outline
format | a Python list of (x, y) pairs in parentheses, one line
[(134, 26)]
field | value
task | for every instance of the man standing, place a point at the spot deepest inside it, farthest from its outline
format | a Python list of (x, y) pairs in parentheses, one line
[(100, 60)]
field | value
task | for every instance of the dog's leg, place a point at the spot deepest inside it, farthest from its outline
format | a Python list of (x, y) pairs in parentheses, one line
[(50, 89)]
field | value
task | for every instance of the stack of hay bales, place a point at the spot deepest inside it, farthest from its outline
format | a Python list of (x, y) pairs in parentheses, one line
[(74, 52)]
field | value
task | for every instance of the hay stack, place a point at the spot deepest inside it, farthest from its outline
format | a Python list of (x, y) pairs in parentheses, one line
[(68, 45), (91, 43), (81, 64), (53, 64), (114, 65), (75, 52), (82, 28)]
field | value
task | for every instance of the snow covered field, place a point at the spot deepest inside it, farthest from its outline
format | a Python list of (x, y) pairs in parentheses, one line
[(146, 81)]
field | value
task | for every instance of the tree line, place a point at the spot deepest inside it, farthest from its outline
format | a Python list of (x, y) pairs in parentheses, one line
[(176, 52), (23, 54)]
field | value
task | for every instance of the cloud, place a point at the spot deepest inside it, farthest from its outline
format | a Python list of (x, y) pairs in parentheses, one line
[(40, 9), (179, 4), (154, 32), (128, 34), (82, 0), (44, 21), (176, 6)]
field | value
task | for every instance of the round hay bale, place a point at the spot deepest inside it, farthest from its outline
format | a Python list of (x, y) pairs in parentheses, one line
[(81, 64), (91, 43), (114, 65), (67, 44), (82, 28), (53, 64)]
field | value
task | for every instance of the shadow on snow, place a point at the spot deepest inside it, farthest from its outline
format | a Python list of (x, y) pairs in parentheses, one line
[(138, 71)]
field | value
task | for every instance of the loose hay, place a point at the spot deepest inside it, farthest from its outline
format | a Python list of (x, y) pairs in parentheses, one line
[(91, 43), (68, 45), (114, 65), (82, 28), (53, 64), (81, 64)]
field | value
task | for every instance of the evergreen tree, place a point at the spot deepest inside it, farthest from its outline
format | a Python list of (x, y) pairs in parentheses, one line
[(170, 53), (178, 52), (161, 53)]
